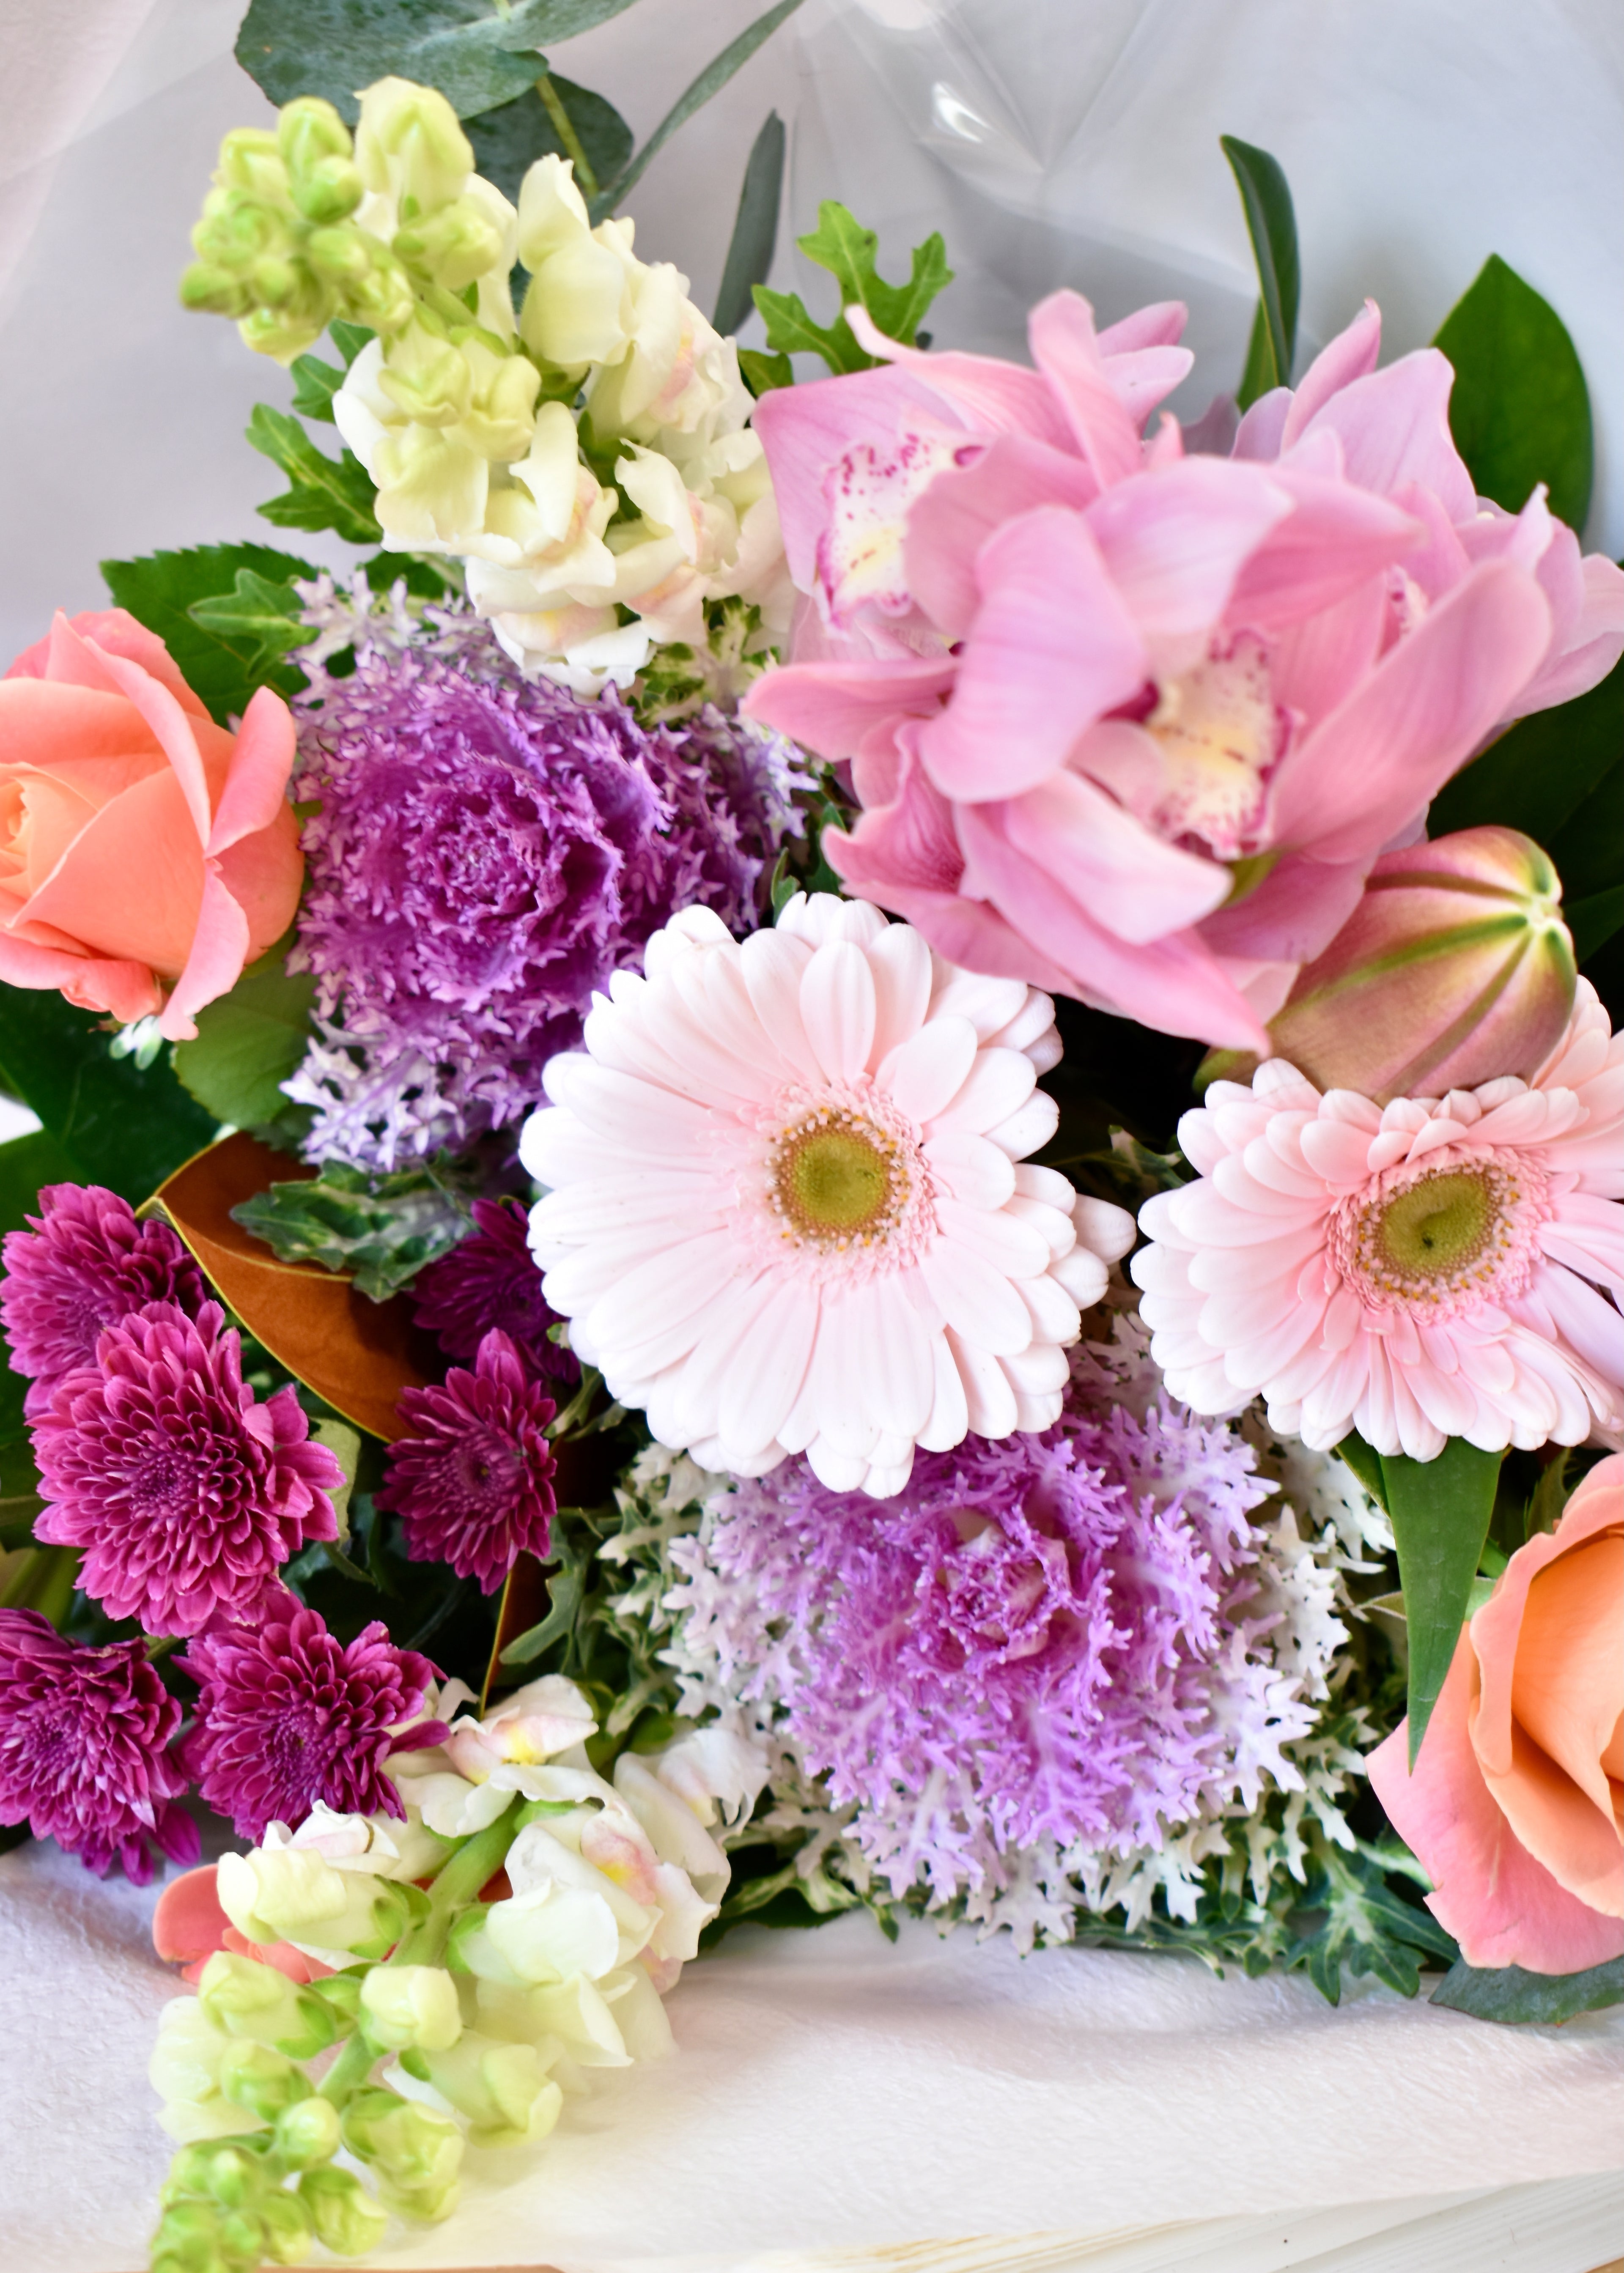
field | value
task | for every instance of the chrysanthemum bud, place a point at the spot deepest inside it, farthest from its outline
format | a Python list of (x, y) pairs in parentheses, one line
[(1456, 968), (347, 2220)]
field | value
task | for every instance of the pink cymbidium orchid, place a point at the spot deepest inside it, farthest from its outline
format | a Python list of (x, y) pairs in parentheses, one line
[(1133, 725)]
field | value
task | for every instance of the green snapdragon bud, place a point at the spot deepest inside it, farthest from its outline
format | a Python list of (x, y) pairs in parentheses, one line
[(306, 2134), (198, 2237), (502, 2087), (453, 247), (265, 2082), (249, 1999), (416, 2151), (409, 142), (289, 2233), (347, 2220), (407, 2008), (426, 377), (314, 142)]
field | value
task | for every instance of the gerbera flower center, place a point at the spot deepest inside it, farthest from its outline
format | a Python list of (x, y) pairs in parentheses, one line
[(1219, 733), (837, 1178), (1462, 1231)]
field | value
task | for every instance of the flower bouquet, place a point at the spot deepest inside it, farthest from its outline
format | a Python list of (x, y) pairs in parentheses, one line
[(850, 1143)]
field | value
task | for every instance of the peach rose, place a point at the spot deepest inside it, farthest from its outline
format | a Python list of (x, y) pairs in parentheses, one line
[(145, 853), (1516, 1806)]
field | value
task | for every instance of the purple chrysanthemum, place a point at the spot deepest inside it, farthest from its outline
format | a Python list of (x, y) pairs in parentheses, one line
[(474, 1479), (1041, 1640), (289, 1715), (183, 1490), (84, 1756), (486, 853), (84, 1263), (492, 1280)]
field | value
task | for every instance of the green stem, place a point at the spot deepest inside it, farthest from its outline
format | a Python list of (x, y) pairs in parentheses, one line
[(349, 2071), (460, 1879), (564, 127)]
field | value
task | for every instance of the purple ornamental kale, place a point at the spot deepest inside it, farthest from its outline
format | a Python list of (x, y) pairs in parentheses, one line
[(473, 1480), (486, 852), (84, 1752), (290, 1716), (492, 1280), (1038, 1639), (84, 1263), (184, 1491)]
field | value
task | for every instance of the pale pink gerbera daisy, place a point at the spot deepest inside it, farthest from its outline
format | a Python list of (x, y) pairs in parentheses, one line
[(785, 1212), (1425, 1269)]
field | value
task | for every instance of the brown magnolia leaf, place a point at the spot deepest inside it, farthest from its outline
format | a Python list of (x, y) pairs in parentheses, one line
[(357, 1354)]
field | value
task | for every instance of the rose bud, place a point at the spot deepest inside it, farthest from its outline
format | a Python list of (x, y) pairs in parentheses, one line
[(1455, 968)]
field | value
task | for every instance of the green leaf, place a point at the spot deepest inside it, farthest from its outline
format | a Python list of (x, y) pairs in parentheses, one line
[(755, 229), (564, 1593), (1364, 1927), (26, 1163), (323, 495), (249, 1042), (1440, 1511), (1540, 774), (714, 77), (762, 372), (382, 1230), (1366, 1461), (477, 54), (1505, 1992), (841, 244), (1594, 920), (1520, 411), (160, 590), (508, 140), (120, 1126), (258, 614), (349, 338), (1271, 224), (315, 383)]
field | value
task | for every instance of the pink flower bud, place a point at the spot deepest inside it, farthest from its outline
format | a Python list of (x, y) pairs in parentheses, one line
[(1455, 968)]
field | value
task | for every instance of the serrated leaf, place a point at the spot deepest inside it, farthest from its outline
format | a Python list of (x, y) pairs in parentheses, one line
[(841, 244), (1505, 1992), (249, 1042), (315, 383), (1520, 411), (755, 229), (1439, 1511), (121, 1127), (762, 373), (694, 97), (381, 1231), (256, 614), (1271, 223), (160, 590), (509, 140), (1364, 1928), (476, 54), (349, 338), (323, 494)]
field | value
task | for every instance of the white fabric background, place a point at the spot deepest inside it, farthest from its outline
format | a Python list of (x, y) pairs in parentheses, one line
[(1055, 142)]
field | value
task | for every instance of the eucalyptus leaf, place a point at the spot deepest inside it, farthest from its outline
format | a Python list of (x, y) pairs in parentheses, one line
[(476, 54), (121, 1127), (218, 662), (1520, 411), (1271, 223), (755, 229), (1505, 1992), (1439, 1511), (710, 81), (249, 1042), (509, 140)]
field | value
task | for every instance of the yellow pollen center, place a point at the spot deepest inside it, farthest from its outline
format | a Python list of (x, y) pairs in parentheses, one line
[(1439, 1225), (834, 1180)]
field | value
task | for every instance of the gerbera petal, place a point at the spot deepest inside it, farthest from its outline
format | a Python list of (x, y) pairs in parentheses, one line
[(837, 1008), (927, 1072)]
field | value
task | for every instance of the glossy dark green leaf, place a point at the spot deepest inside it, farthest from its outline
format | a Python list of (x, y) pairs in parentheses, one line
[(564, 1593), (1505, 1992), (1439, 1511), (755, 229), (1366, 1461), (160, 590), (694, 97), (476, 54), (1271, 223), (1539, 775), (1594, 920), (841, 244), (1520, 411), (26, 1163), (508, 140), (323, 493), (258, 614), (122, 1128), (248, 1043)]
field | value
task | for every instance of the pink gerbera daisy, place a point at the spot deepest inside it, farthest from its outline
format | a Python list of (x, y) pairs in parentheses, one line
[(1428, 1268)]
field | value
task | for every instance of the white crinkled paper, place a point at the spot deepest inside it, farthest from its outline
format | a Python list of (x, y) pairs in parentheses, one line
[(830, 2092)]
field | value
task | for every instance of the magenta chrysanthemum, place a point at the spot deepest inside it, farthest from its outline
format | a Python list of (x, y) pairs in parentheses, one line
[(184, 1491), (84, 1756), (290, 1716), (1041, 1641), (1436, 1267), (84, 1263), (493, 1280), (474, 1479), (486, 853)]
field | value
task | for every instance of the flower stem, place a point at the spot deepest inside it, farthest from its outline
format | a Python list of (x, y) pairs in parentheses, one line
[(349, 2071), (459, 1881), (564, 127)]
